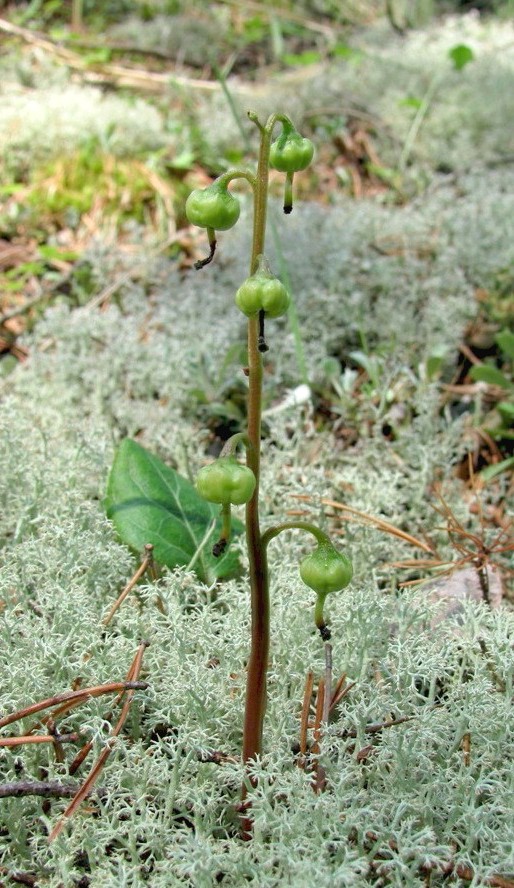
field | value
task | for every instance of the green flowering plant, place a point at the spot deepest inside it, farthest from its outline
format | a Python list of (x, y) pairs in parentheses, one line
[(261, 296), (146, 498)]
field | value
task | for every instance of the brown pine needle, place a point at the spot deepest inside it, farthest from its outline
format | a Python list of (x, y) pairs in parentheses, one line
[(328, 683), (378, 727), (370, 519), (318, 716), (415, 562), (337, 690), (320, 782), (82, 754), (147, 564), (81, 695), (96, 770), (304, 721), (134, 669), (341, 690)]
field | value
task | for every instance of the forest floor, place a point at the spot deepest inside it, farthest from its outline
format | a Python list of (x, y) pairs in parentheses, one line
[(388, 396)]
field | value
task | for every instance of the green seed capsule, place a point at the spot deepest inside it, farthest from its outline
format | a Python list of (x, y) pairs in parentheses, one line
[(326, 570), (213, 207), (226, 481), (263, 291), (291, 153)]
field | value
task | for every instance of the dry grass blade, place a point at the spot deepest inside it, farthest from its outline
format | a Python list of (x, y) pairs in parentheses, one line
[(118, 75), (93, 775)]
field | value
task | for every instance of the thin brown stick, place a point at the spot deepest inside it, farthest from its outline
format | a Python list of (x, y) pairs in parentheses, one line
[(58, 749), (377, 727), (304, 719), (315, 749), (82, 694), (82, 754), (370, 519), (146, 564), (59, 712), (86, 749), (47, 789), (328, 683), (93, 775), (466, 351), (320, 698), (39, 738), (337, 690)]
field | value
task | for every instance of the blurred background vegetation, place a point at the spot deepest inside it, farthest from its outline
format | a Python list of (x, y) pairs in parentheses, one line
[(111, 112)]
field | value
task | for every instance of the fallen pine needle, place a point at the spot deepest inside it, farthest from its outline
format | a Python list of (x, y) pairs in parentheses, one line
[(39, 738), (95, 772), (83, 694)]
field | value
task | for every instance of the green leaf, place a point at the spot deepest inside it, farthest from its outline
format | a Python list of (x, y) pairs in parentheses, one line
[(309, 57), (254, 29), (386, 174), (11, 188), (461, 55), (182, 161), (496, 468), (505, 340), (435, 362), (505, 409), (343, 51), (99, 56), (410, 102), (50, 253), (489, 374), (149, 502)]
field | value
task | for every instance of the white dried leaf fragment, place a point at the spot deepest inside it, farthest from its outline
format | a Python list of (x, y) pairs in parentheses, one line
[(454, 590)]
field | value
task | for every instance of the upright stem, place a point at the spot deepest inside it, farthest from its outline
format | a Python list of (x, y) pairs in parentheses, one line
[(255, 707)]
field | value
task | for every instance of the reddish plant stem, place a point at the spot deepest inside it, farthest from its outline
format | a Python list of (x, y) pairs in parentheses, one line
[(255, 706)]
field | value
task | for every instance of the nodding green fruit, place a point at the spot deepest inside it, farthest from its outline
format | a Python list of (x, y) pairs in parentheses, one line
[(291, 153), (326, 570), (213, 207), (226, 481), (263, 291)]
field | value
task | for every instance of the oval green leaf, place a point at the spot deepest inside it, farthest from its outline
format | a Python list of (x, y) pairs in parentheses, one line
[(149, 502), (489, 374)]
